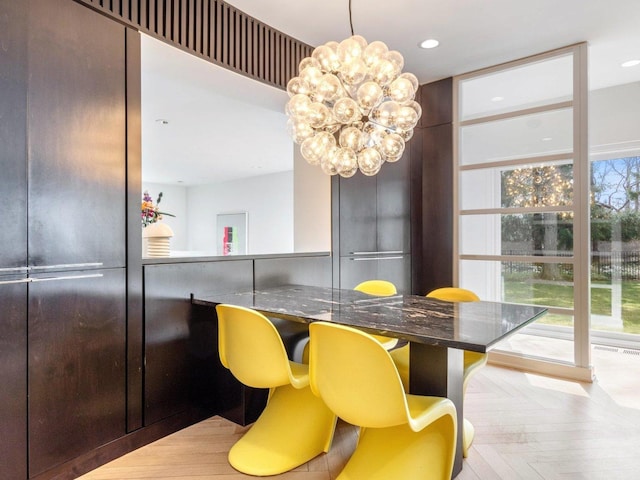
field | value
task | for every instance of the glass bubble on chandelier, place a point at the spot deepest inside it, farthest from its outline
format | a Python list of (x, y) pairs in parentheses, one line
[(351, 107)]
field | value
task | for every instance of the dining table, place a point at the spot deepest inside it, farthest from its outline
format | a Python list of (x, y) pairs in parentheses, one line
[(438, 332)]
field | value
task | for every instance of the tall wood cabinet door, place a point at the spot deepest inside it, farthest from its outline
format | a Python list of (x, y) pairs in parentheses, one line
[(77, 142), (357, 214), (393, 206), (13, 134), (13, 373), (76, 365)]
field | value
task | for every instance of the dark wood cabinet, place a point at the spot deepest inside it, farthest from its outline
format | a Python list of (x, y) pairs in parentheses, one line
[(374, 211), (181, 350), (373, 227), (437, 202), (13, 254), (393, 207), (393, 268), (436, 99), (403, 211), (77, 142), (357, 220), (13, 134), (63, 159), (433, 232), (76, 221), (76, 364), (300, 270), (13, 390)]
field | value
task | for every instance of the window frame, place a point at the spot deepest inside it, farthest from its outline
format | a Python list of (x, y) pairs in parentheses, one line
[(581, 367)]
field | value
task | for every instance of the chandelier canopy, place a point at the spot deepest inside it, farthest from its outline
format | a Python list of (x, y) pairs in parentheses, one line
[(351, 107)]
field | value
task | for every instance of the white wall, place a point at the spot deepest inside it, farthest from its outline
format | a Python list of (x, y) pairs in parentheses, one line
[(312, 206), (614, 121), (287, 212), (268, 201)]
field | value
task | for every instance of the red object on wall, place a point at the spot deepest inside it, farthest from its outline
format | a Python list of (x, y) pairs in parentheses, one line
[(227, 241)]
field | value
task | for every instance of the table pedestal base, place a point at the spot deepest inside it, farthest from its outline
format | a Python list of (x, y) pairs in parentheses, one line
[(435, 370)]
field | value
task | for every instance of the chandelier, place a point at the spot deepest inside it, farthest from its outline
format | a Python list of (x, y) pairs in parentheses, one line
[(351, 107)]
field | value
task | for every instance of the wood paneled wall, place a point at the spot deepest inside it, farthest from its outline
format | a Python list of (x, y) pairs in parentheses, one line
[(432, 189), (216, 32)]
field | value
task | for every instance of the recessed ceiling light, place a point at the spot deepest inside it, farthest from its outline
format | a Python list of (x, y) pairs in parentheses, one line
[(497, 99), (631, 63), (431, 43), (547, 139)]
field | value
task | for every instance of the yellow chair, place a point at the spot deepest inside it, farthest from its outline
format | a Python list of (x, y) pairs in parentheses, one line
[(472, 360), (379, 288), (296, 425), (453, 294), (402, 436)]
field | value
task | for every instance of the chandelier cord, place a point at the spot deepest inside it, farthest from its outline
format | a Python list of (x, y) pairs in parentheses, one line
[(350, 21)]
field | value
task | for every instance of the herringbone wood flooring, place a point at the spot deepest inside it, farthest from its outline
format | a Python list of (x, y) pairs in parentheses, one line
[(527, 427)]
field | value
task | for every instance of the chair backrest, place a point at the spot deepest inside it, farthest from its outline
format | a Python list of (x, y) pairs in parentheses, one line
[(453, 294), (250, 346), (377, 287), (355, 376)]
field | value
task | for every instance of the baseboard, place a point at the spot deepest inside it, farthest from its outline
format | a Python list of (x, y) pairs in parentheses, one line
[(542, 367)]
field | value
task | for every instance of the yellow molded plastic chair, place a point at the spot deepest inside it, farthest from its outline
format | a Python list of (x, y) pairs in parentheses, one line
[(472, 360), (296, 425), (380, 288), (453, 294), (402, 436)]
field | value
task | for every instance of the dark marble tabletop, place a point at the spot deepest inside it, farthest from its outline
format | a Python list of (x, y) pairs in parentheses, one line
[(472, 326)]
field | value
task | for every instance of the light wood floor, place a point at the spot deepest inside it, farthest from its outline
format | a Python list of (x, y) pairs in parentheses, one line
[(527, 427)]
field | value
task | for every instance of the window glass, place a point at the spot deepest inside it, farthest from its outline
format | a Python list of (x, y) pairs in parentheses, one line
[(541, 234), (615, 245), (536, 283), (526, 136), (534, 84), (539, 185)]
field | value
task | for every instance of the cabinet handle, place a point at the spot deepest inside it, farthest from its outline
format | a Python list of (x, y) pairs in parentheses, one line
[(74, 266), (69, 277), (14, 270), (374, 258), (378, 253), (9, 282)]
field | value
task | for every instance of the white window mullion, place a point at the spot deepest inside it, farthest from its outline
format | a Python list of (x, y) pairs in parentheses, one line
[(581, 225)]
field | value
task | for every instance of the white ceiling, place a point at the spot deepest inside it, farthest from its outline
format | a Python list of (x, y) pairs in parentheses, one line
[(223, 126), (473, 34), (220, 125)]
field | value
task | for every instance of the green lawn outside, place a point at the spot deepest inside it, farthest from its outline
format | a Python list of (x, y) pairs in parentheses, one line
[(561, 295)]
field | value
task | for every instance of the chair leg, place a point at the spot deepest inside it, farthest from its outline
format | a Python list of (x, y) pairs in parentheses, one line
[(468, 432), (295, 427), (399, 452), (473, 361)]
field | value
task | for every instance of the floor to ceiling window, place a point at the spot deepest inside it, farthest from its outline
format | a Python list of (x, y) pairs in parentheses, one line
[(614, 147), (522, 192)]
